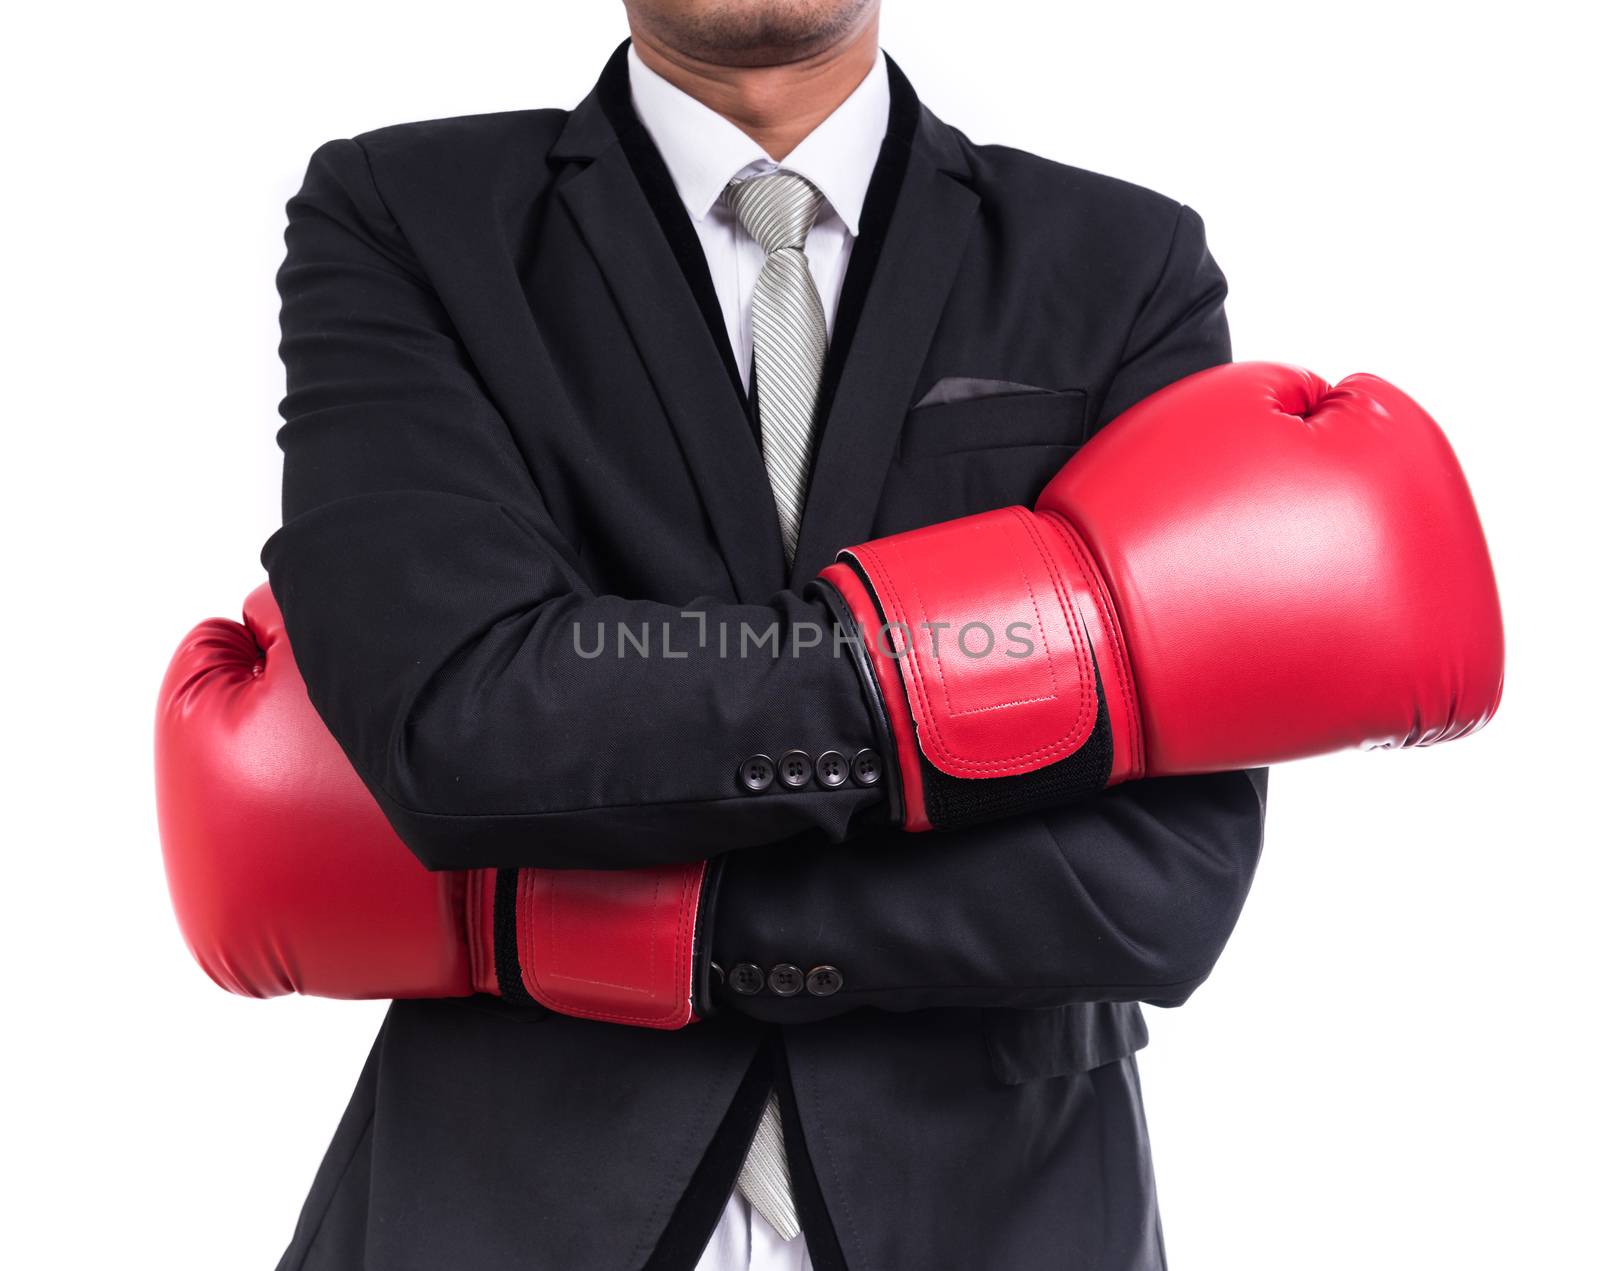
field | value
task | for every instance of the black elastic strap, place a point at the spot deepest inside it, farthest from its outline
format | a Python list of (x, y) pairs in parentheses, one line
[(507, 965), (954, 802)]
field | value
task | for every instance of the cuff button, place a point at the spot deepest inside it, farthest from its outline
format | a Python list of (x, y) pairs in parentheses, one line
[(824, 981), (756, 773), (746, 979), (833, 769), (786, 979), (866, 768), (794, 769)]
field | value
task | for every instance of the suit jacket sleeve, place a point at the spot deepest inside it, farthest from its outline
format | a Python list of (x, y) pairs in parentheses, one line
[(441, 624), (1129, 896)]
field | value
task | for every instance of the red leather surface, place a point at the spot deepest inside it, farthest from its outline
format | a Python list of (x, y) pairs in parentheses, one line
[(616, 945), (287, 878), (1297, 569), (1104, 628), (1266, 568), (285, 875), (979, 710), (929, 575)]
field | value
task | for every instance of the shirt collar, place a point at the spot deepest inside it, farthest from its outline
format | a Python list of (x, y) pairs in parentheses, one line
[(703, 151)]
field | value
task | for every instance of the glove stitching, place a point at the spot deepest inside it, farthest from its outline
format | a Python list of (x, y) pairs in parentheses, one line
[(562, 1005), (546, 900), (1059, 748), (1108, 616)]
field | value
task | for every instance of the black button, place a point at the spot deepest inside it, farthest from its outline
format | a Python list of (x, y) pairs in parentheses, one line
[(786, 979), (833, 769), (746, 978), (824, 981), (866, 768), (756, 773), (794, 768)]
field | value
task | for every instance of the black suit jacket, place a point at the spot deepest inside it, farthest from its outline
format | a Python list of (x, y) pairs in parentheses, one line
[(511, 407)]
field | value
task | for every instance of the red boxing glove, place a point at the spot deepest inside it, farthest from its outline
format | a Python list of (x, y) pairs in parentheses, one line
[(287, 878), (1245, 568)]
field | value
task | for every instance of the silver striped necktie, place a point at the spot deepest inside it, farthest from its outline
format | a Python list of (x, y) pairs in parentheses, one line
[(790, 334), (791, 341), (764, 1176)]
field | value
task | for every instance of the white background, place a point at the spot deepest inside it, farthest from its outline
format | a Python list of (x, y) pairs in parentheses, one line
[(1393, 1064)]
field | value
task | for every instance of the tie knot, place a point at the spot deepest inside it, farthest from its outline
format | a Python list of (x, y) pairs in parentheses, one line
[(776, 209)]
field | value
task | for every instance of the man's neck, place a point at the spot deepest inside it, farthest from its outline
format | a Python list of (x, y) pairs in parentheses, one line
[(777, 106)]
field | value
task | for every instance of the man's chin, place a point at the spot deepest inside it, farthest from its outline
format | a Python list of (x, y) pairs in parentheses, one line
[(751, 33)]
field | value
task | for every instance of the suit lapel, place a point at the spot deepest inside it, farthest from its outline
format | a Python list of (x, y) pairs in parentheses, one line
[(917, 216), (909, 251), (655, 291)]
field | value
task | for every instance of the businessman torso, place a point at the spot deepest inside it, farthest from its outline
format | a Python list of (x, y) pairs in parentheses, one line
[(969, 1098)]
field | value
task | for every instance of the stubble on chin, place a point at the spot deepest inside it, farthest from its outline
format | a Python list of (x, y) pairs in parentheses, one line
[(754, 32)]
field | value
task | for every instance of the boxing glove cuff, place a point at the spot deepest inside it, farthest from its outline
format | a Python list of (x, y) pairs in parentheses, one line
[(612, 945), (287, 878), (992, 641)]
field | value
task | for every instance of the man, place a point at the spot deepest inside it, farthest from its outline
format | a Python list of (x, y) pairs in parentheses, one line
[(748, 303)]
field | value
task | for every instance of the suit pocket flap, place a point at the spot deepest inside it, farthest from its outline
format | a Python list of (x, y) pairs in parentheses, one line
[(1042, 418), (1027, 1045)]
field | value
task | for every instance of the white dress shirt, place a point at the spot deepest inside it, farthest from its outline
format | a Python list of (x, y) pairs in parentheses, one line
[(703, 152)]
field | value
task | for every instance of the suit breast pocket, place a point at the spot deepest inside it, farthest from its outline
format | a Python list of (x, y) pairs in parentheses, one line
[(969, 455), (1036, 417)]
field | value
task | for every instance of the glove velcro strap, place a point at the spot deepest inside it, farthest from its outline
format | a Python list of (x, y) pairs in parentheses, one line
[(953, 802), (1000, 633), (610, 945), (991, 649)]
